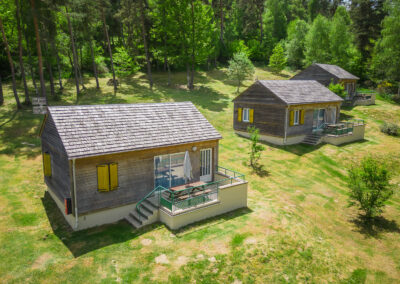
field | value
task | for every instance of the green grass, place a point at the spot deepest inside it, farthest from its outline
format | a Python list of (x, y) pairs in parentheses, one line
[(297, 228)]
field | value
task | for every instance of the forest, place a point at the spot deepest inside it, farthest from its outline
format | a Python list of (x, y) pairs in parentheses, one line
[(46, 41)]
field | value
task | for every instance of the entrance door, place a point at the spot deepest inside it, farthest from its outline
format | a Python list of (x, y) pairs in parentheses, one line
[(319, 118), (206, 165)]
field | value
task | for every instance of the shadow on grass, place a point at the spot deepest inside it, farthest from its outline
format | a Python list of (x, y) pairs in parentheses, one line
[(19, 133), (85, 241), (375, 226), (261, 171), (211, 222)]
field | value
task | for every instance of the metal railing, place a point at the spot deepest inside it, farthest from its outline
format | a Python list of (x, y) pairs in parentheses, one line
[(175, 200), (156, 193), (343, 128)]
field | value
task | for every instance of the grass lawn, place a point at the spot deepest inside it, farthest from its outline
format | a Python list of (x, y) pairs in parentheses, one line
[(297, 227)]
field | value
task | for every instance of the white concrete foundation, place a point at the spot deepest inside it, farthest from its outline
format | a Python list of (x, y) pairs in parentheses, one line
[(274, 139)]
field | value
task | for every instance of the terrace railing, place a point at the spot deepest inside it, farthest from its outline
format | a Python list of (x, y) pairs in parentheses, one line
[(155, 195), (342, 128), (177, 200)]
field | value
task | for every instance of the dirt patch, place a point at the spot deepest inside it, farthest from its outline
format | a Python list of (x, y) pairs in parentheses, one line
[(41, 261), (181, 260), (146, 242), (161, 259)]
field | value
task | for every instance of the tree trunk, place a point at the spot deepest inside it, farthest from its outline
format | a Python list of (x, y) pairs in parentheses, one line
[(39, 51), (109, 48), (73, 51), (30, 64), (11, 65), (191, 81), (21, 63), (169, 75), (94, 64), (53, 46), (221, 20), (80, 68), (1, 93), (146, 49), (48, 63), (261, 27)]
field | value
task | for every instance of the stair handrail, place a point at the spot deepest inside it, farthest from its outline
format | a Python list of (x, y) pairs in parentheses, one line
[(138, 205)]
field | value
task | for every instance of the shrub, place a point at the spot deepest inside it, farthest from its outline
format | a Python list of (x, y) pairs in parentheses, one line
[(390, 128), (369, 186), (338, 89), (255, 147), (396, 98), (277, 61), (240, 68)]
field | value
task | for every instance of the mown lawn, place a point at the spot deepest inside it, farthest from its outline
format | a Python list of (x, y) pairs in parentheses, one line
[(297, 227)]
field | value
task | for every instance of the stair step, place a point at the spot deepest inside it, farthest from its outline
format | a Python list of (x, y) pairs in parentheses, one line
[(151, 202), (150, 205), (133, 222), (135, 215)]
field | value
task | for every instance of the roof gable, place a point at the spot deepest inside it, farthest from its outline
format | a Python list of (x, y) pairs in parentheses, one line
[(104, 129), (258, 93), (300, 91), (336, 71)]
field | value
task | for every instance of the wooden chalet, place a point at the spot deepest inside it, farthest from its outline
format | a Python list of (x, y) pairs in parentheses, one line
[(327, 73), (104, 163), (289, 112)]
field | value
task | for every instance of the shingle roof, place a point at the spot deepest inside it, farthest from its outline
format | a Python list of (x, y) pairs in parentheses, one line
[(103, 129), (337, 71), (300, 91)]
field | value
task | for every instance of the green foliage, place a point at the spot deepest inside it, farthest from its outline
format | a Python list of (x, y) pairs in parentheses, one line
[(390, 128), (124, 63), (317, 41), (369, 186), (255, 147), (295, 45), (240, 68), (386, 56), (338, 89), (277, 61)]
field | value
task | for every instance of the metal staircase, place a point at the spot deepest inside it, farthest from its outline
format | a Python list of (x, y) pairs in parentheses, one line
[(313, 139)]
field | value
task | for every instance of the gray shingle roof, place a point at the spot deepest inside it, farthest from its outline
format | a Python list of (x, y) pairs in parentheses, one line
[(300, 91), (92, 130), (337, 71)]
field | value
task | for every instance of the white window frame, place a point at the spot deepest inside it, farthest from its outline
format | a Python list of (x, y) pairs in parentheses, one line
[(296, 117), (246, 115)]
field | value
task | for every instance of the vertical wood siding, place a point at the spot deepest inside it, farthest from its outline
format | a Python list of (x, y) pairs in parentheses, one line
[(135, 175)]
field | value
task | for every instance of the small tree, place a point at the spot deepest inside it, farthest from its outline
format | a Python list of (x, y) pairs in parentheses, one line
[(369, 186), (240, 68), (338, 89), (255, 147), (277, 61)]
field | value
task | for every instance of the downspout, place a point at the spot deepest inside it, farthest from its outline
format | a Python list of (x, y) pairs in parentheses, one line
[(286, 117), (75, 199)]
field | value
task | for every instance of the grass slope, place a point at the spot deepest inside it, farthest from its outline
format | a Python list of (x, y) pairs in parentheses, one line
[(297, 228)]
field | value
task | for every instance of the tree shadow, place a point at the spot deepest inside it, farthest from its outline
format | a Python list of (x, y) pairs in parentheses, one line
[(19, 134), (260, 171), (375, 226), (85, 241), (210, 222)]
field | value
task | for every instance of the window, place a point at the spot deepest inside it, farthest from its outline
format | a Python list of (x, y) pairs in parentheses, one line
[(296, 118), (246, 114), (107, 177), (47, 164), (168, 170)]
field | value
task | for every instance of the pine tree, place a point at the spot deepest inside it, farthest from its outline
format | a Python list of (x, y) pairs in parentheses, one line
[(277, 61), (317, 41), (240, 68)]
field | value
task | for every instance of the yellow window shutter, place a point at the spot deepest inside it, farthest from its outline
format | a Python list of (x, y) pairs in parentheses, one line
[(291, 121), (47, 164), (113, 176), (251, 115), (302, 116), (239, 114), (103, 178)]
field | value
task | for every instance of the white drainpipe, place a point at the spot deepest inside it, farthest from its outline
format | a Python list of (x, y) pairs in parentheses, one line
[(76, 205), (286, 117)]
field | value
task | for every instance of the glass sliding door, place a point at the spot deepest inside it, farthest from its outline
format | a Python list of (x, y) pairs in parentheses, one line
[(168, 170), (319, 118), (206, 165)]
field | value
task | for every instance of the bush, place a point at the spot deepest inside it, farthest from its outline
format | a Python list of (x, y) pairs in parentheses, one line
[(396, 99), (338, 89), (277, 61), (369, 186), (390, 128), (255, 147)]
